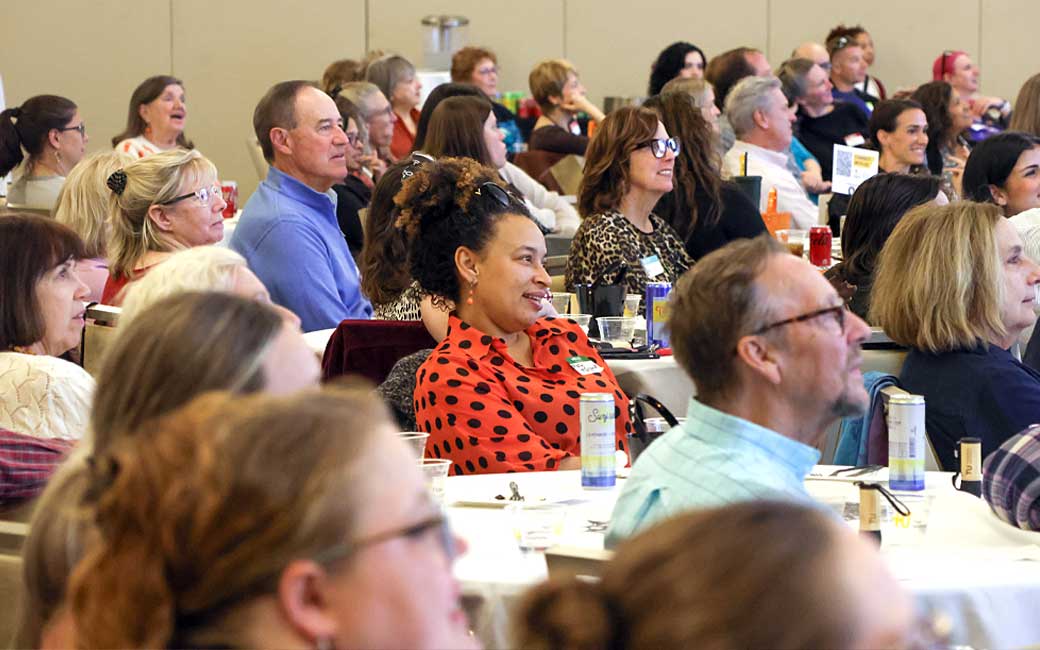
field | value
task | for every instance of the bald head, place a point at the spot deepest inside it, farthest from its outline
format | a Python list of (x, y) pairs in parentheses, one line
[(814, 52)]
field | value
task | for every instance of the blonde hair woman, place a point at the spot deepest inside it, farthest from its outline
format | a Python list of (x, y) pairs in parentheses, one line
[(82, 205), (258, 521), (160, 204), (954, 284)]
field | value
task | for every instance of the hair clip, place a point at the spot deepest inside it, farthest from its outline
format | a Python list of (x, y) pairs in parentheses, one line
[(16, 112), (117, 182)]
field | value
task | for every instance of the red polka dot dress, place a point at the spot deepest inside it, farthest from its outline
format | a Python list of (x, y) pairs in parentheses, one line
[(489, 414)]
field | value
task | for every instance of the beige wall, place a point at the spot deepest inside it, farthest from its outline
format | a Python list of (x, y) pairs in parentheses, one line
[(229, 51)]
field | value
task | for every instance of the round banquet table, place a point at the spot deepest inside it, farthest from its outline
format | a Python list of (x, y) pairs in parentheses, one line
[(981, 573)]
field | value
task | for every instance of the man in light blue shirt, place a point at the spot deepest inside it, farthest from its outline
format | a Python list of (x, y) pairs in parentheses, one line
[(288, 231), (774, 356)]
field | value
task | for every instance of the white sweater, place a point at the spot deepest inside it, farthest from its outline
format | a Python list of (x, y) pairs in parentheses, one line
[(549, 208), (44, 396)]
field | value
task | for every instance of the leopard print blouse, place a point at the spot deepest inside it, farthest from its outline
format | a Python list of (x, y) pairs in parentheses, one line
[(604, 239)]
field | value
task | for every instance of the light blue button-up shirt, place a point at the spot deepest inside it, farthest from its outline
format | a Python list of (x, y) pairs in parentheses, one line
[(711, 460), (291, 239)]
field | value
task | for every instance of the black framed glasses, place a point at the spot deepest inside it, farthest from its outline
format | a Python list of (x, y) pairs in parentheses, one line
[(659, 146), (81, 127), (205, 195), (418, 158), (438, 525), (837, 312)]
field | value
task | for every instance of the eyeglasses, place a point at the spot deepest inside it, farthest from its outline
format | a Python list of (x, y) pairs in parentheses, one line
[(81, 127), (838, 313), (205, 195), (487, 71), (658, 146), (418, 158), (438, 523)]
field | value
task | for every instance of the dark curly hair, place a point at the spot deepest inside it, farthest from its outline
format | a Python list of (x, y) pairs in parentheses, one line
[(934, 97), (384, 255), (669, 63), (440, 211)]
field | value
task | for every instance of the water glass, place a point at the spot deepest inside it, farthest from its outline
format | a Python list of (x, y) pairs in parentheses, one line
[(561, 302), (416, 441), (616, 330), (632, 304), (797, 241), (537, 526), (585, 319), (435, 473)]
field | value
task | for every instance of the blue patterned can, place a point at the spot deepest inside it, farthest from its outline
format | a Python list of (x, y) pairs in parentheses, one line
[(657, 313), (598, 469)]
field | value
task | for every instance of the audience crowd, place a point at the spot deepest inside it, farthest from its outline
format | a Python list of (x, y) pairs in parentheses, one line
[(199, 489)]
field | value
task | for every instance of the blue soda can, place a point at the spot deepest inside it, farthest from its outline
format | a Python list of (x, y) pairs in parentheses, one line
[(598, 470), (906, 443), (657, 313)]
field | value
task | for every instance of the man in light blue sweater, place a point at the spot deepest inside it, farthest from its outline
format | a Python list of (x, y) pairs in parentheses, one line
[(775, 358), (288, 231)]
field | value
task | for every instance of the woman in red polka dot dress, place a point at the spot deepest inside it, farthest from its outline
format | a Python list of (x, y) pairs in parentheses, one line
[(500, 393)]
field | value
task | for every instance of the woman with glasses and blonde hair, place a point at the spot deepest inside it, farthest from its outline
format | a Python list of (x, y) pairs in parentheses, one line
[(160, 204), (954, 285), (261, 521), (628, 169), (46, 133), (83, 206)]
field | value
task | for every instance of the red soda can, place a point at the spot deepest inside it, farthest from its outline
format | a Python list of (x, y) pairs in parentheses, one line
[(820, 246), (229, 189)]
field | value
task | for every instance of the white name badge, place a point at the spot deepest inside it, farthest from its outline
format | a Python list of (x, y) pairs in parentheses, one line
[(585, 366), (652, 266), (854, 140)]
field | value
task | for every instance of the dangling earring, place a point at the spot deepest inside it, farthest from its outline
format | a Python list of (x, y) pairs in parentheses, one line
[(147, 130), (472, 286), (59, 165)]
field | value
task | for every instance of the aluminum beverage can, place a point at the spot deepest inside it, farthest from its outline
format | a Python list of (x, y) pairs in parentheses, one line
[(906, 443), (820, 246), (657, 309), (229, 190), (598, 470)]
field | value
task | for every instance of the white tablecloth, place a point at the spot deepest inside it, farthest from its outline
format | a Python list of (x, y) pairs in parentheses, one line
[(983, 574)]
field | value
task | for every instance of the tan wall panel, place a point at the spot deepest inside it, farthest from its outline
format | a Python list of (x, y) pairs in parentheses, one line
[(614, 43), (1009, 38), (95, 53), (230, 52), (519, 34), (907, 35)]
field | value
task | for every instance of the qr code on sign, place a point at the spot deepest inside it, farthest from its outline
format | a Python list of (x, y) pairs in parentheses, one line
[(843, 163)]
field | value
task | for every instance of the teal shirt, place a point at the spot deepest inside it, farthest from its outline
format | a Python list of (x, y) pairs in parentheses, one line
[(711, 460)]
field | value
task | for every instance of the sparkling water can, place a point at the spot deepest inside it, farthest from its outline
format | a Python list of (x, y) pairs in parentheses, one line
[(906, 442), (598, 469)]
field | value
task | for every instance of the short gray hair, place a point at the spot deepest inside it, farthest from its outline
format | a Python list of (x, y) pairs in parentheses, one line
[(388, 71), (794, 78), (359, 93), (749, 95)]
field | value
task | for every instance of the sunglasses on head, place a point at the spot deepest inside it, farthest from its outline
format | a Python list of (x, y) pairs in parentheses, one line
[(418, 158)]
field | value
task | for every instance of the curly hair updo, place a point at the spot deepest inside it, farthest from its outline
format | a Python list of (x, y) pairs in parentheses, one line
[(444, 205)]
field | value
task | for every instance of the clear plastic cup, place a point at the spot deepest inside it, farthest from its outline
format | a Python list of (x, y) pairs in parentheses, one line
[(632, 304), (416, 441), (797, 241), (616, 330), (561, 302), (537, 526), (435, 472), (585, 319)]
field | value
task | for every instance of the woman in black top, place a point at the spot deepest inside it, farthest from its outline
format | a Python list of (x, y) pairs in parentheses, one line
[(704, 210), (353, 194)]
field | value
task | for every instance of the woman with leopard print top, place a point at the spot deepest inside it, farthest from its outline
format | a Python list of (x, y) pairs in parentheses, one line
[(628, 168)]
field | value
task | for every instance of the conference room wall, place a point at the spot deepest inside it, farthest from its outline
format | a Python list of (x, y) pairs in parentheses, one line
[(228, 52)]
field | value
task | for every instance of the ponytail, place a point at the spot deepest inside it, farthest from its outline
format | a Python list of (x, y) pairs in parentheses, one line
[(26, 127), (10, 141)]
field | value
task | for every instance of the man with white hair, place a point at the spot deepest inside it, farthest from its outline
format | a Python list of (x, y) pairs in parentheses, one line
[(762, 120), (815, 53)]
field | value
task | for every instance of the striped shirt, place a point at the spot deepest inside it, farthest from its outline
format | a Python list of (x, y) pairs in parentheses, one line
[(711, 460)]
